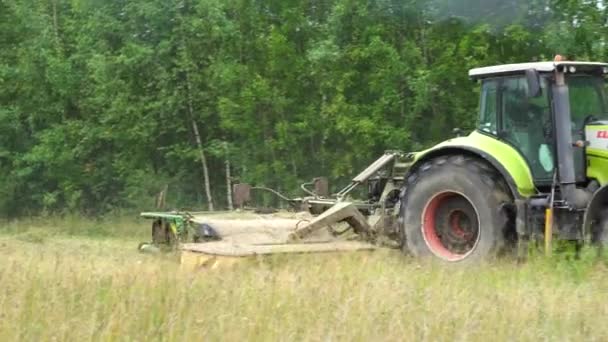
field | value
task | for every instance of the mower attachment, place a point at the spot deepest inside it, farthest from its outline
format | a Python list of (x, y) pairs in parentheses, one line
[(341, 211)]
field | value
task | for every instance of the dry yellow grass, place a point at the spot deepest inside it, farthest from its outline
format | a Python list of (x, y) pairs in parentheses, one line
[(57, 286)]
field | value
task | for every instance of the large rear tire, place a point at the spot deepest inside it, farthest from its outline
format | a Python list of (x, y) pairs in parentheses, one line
[(454, 209)]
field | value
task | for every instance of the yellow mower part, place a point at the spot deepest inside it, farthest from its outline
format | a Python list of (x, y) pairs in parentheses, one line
[(548, 231)]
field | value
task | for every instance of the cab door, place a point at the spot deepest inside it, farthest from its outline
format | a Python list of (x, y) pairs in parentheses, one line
[(526, 124)]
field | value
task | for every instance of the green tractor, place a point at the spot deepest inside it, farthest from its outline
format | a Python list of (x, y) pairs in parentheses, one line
[(538, 160), (535, 168)]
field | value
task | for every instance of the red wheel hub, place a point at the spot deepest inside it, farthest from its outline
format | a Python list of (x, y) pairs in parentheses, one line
[(458, 219), (450, 226)]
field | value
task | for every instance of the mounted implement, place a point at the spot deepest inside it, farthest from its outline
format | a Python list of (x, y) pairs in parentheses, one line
[(317, 228), (535, 169)]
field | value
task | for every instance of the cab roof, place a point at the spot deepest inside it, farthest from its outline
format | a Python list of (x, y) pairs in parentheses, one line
[(506, 69)]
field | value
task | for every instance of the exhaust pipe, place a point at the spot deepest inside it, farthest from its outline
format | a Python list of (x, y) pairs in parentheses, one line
[(577, 198)]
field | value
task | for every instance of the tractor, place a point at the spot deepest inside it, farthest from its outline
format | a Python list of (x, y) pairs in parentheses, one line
[(534, 169)]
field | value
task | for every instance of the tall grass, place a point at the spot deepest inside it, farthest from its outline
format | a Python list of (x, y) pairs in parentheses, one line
[(121, 226), (69, 287)]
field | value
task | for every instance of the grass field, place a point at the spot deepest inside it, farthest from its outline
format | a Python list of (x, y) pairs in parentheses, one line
[(75, 279)]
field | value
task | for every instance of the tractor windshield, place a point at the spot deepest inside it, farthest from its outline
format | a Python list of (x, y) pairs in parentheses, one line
[(587, 99)]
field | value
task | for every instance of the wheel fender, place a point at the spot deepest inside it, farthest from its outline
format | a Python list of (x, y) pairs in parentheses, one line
[(598, 203), (471, 151), (503, 157)]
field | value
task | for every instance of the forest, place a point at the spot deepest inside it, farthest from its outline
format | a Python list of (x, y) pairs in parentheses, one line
[(104, 104)]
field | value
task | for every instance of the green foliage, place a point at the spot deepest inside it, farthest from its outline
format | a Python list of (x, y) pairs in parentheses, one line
[(97, 98)]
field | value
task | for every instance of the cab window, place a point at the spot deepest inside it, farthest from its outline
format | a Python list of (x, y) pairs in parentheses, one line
[(587, 99), (526, 124), (488, 113)]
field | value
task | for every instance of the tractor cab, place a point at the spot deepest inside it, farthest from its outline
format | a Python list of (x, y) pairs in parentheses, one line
[(518, 107)]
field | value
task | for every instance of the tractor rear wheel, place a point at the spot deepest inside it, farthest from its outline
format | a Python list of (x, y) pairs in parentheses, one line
[(453, 208)]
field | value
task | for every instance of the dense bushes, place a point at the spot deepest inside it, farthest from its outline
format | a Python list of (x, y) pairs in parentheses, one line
[(98, 99)]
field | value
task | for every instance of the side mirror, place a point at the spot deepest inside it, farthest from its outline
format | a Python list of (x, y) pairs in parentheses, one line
[(533, 78)]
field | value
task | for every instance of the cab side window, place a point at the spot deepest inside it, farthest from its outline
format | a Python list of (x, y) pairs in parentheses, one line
[(488, 112), (585, 98)]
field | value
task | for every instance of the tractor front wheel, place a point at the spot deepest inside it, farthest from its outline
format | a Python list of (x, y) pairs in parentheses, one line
[(453, 208), (599, 235)]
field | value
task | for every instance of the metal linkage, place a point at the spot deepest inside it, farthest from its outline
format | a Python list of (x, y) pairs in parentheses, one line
[(381, 162)]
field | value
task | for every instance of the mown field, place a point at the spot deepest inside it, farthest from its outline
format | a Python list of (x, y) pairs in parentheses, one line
[(74, 279)]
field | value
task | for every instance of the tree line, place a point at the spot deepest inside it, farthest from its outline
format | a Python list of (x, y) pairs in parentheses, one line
[(104, 104)]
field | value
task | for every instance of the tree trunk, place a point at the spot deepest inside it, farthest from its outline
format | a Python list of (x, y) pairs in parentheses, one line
[(228, 179), (199, 145), (160, 199), (195, 130), (201, 153), (55, 22)]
